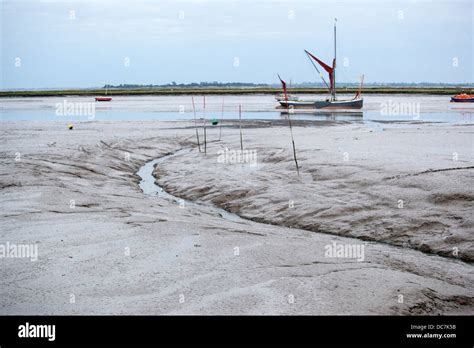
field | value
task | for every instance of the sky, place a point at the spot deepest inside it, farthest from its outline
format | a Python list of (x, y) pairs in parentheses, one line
[(88, 43)]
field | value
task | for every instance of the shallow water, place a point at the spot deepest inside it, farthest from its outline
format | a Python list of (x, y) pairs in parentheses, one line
[(427, 108), (149, 187)]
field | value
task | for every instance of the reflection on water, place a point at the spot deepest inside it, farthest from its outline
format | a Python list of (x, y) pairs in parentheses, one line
[(255, 107), (329, 115), (377, 117), (107, 114)]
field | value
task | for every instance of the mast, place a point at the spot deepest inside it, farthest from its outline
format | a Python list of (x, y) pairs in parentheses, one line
[(331, 70), (325, 66), (334, 64)]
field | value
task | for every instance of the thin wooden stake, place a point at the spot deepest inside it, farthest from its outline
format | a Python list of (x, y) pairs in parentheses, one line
[(293, 142), (222, 118), (204, 117), (240, 126), (289, 123), (205, 142), (195, 124)]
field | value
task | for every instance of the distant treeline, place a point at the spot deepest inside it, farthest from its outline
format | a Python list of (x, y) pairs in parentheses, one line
[(440, 90), (192, 85), (216, 84)]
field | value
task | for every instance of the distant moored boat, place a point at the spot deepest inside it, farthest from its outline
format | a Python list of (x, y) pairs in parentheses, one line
[(103, 99), (463, 98)]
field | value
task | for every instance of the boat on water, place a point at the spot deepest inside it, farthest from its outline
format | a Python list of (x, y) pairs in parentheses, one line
[(463, 98), (332, 102), (286, 94), (329, 103), (281, 97), (103, 99)]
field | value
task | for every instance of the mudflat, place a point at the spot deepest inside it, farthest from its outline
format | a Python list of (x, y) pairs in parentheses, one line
[(402, 191)]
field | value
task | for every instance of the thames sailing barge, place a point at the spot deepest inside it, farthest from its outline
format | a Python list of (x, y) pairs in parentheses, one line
[(331, 102)]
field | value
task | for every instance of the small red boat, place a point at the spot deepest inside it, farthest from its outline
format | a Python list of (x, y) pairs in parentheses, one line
[(463, 98), (103, 99)]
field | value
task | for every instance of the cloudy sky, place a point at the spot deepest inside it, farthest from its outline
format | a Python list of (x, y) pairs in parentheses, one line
[(52, 43)]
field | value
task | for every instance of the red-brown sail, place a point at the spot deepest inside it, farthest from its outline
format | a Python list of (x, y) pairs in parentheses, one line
[(330, 70), (283, 83)]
